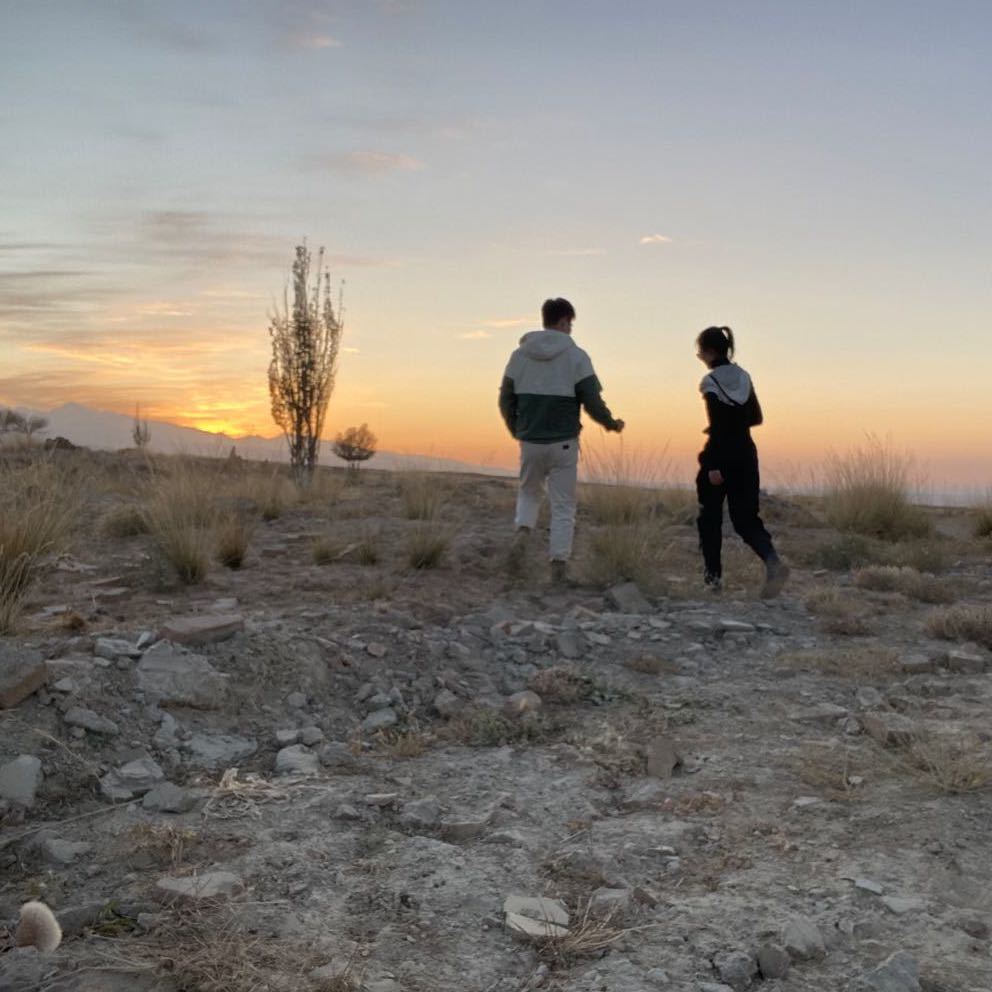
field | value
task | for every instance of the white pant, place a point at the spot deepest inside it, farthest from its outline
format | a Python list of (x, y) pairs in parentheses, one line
[(557, 464)]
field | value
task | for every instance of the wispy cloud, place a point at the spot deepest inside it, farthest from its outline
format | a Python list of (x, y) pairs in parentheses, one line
[(475, 335), (507, 322), (576, 252), (655, 239), (303, 41), (366, 163)]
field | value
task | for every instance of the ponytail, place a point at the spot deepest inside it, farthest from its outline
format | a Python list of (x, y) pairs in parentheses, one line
[(717, 339)]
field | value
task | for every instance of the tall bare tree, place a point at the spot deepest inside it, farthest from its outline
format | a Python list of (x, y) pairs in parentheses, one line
[(305, 340)]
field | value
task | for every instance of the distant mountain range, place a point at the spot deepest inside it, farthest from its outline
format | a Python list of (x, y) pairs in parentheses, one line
[(111, 431)]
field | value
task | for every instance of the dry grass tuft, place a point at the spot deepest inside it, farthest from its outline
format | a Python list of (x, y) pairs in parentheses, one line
[(273, 494), (838, 772), (954, 766), (484, 727), (427, 544), (962, 623), (164, 841), (181, 516), (983, 521), (421, 495), (589, 935), (562, 684), (625, 553), (327, 550), (234, 534), (620, 484), (409, 742), (123, 521), (39, 505), (680, 505), (838, 612), (865, 661), (867, 492), (903, 579)]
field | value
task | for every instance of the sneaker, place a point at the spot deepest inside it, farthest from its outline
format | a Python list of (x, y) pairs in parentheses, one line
[(776, 574), (559, 574), (712, 582)]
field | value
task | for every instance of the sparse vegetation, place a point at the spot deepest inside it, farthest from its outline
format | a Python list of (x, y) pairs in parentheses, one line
[(867, 492), (962, 623), (625, 552), (421, 495), (125, 520), (952, 765), (908, 581), (867, 661), (427, 543), (234, 534), (983, 520)]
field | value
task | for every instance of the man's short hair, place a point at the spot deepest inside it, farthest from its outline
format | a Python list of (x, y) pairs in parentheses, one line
[(554, 310)]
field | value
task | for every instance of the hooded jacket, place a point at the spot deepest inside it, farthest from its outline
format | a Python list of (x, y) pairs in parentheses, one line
[(546, 382), (733, 409)]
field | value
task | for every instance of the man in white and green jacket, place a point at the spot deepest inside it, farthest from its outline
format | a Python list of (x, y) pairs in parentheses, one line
[(548, 380)]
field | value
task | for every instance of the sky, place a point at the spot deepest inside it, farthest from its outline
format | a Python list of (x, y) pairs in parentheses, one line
[(814, 175)]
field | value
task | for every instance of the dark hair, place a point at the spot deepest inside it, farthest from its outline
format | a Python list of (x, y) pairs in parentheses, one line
[(553, 310), (718, 339)]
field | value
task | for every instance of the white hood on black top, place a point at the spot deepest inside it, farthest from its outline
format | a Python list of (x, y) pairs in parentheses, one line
[(730, 384), (546, 345)]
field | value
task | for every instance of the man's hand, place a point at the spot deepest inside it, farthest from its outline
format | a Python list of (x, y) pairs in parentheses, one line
[(715, 476), (619, 426)]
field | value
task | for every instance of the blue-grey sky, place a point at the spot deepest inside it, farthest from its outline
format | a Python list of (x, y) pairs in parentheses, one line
[(813, 174)]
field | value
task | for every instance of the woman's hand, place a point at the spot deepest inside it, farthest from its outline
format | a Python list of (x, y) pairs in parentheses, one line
[(715, 477)]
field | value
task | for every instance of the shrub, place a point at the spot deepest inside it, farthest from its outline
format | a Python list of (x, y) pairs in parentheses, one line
[(868, 493), (234, 534), (625, 553), (905, 580), (963, 623), (123, 521), (421, 495)]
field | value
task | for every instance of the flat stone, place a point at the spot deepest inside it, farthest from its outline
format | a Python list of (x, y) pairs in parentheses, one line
[(311, 735), (132, 779), (382, 799), (825, 714), (900, 907), (736, 627), (628, 598), (773, 961), (527, 927), (966, 662), (889, 729), (22, 672), (168, 798), (207, 628), (537, 908), (286, 737), (376, 650), (218, 751), (421, 814), (917, 664), (465, 828), (569, 644), (662, 758), (197, 888), (447, 704), (338, 756), (645, 795), (77, 716), (521, 703), (897, 973), (113, 648), (802, 939), (174, 677), (62, 852), (20, 779), (380, 720), (297, 760), (869, 698), (296, 700)]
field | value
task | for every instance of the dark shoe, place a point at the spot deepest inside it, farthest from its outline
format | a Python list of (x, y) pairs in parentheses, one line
[(517, 557), (776, 575), (559, 574), (712, 582)]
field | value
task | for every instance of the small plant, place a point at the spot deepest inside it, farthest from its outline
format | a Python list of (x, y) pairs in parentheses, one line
[(983, 521), (867, 493), (327, 550), (140, 431), (838, 613), (273, 495), (962, 623), (905, 580), (953, 766), (427, 544), (864, 662), (563, 684), (368, 551), (625, 553), (234, 534)]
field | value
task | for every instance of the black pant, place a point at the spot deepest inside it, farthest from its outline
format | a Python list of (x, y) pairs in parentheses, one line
[(740, 488)]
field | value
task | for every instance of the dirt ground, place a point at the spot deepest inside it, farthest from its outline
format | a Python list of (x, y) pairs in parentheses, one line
[(716, 788)]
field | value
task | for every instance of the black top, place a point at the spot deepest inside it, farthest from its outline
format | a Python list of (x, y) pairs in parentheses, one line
[(729, 429)]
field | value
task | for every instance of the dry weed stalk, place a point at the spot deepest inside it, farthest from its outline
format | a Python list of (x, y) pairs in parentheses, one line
[(234, 534), (427, 543), (233, 797), (164, 840), (588, 936), (953, 765), (123, 521), (421, 495)]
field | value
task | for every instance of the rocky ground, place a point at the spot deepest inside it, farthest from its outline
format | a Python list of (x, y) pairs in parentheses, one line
[(348, 776)]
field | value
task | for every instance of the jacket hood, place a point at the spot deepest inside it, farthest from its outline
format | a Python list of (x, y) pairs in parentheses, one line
[(545, 345), (729, 383)]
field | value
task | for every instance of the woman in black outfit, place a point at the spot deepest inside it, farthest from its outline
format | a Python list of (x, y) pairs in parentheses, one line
[(728, 464)]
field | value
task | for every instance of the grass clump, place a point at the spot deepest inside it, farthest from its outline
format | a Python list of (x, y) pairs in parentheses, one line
[(867, 492), (625, 553), (427, 544), (903, 579), (983, 520), (421, 495), (181, 519), (563, 684), (234, 534), (126, 520), (38, 509), (962, 623), (621, 485), (867, 662), (952, 765)]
